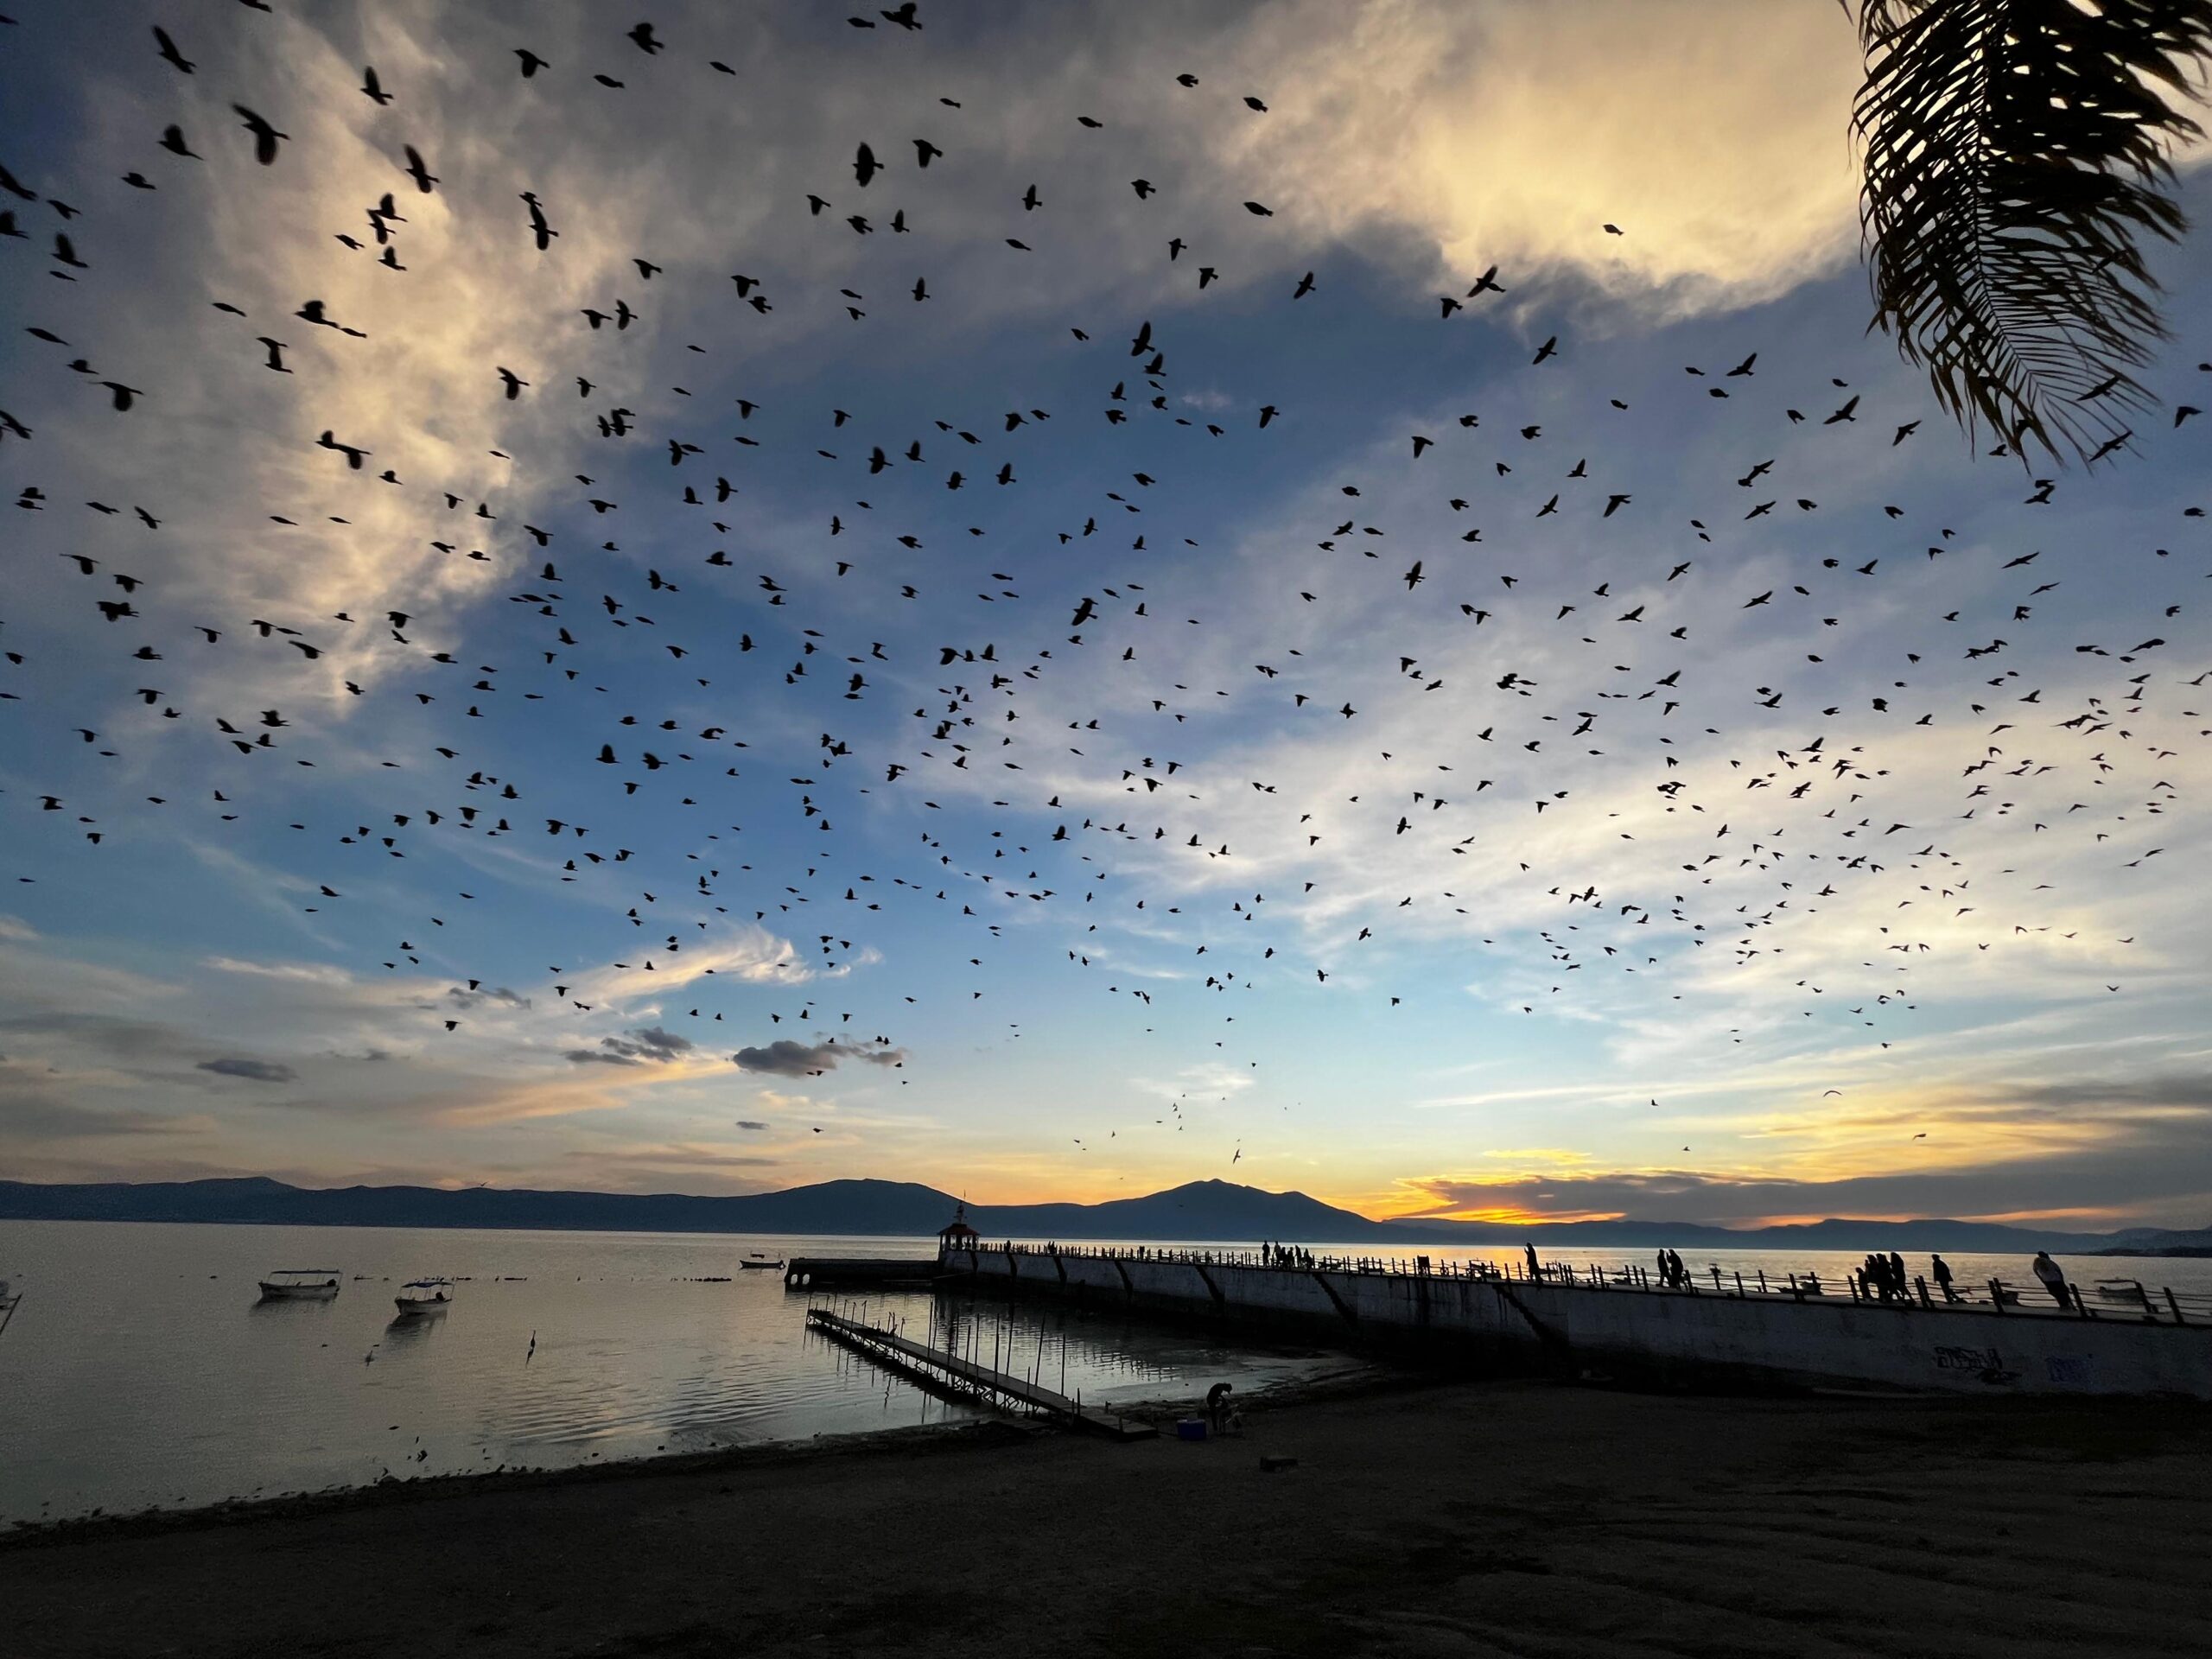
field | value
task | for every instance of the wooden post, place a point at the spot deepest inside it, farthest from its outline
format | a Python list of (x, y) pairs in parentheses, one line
[(1996, 1294), (2176, 1306)]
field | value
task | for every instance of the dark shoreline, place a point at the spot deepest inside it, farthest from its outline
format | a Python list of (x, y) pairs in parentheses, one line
[(911, 1441), (1400, 1517)]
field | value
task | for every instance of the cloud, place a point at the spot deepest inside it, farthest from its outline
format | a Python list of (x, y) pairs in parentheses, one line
[(648, 1046), (35, 1108), (785, 1058), (472, 996), (2089, 1149), (1715, 132), (748, 953), (306, 972), (255, 1070)]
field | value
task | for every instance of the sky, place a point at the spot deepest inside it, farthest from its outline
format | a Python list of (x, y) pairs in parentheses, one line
[(1109, 658)]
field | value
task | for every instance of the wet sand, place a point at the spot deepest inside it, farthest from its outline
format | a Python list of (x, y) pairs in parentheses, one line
[(1487, 1518)]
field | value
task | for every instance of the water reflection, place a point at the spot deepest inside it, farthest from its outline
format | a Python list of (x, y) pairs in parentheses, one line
[(282, 1307), (133, 1379)]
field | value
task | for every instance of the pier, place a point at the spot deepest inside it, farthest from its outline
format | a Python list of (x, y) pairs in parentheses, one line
[(948, 1372), (1569, 1320)]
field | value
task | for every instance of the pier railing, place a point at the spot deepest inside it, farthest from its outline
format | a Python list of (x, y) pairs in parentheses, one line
[(2128, 1299)]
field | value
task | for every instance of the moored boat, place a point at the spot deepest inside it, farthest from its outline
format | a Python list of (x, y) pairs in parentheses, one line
[(761, 1259), (421, 1296), (300, 1285)]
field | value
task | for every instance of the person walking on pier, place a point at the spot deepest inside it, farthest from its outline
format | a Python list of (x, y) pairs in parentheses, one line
[(1682, 1274), (1899, 1282), (1941, 1270), (1534, 1271), (2054, 1279)]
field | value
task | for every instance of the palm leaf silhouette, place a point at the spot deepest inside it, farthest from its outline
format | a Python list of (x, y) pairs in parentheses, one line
[(2016, 163)]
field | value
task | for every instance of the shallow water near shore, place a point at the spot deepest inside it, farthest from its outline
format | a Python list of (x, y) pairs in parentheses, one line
[(142, 1370)]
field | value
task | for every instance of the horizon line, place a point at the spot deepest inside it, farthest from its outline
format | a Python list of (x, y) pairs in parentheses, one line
[(1523, 1224)]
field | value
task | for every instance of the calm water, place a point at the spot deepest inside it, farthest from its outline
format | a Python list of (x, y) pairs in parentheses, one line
[(140, 1368)]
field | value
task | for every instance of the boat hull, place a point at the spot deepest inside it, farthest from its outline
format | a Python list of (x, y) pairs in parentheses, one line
[(297, 1293)]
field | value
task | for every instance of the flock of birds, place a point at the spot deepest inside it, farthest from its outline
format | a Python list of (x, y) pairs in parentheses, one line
[(997, 706)]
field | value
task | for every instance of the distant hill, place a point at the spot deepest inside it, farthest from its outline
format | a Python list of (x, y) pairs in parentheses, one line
[(1208, 1212), (1201, 1209), (2194, 1240), (868, 1207)]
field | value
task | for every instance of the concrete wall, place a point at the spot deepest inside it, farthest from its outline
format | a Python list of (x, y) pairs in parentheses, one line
[(1771, 1338)]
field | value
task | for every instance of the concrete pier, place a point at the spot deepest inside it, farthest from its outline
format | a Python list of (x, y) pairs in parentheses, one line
[(1585, 1323)]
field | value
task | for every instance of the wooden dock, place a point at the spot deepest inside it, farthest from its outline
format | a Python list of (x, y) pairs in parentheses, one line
[(888, 1348)]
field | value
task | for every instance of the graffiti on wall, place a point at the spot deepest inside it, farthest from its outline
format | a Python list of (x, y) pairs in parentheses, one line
[(1983, 1362)]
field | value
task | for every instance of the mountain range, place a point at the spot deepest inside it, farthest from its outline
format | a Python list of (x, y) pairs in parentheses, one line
[(1200, 1211)]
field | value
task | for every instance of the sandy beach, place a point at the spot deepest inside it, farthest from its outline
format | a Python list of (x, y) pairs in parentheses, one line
[(1459, 1518)]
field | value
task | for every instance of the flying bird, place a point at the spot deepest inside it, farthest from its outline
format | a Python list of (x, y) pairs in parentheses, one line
[(264, 136), (169, 54)]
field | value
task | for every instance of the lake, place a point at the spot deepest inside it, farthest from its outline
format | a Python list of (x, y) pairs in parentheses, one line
[(142, 1370)]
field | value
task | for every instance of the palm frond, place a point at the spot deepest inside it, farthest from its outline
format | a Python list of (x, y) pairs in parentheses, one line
[(2016, 164)]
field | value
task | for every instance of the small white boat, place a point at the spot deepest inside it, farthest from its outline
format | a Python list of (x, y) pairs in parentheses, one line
[(762, 1261), (421, 1296), (300, 1285)]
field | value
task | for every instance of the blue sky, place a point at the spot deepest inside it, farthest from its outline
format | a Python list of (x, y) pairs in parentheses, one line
[(1867, 930)]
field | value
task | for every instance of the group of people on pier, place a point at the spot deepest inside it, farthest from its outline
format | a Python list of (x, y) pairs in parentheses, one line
[(1880, 1278)]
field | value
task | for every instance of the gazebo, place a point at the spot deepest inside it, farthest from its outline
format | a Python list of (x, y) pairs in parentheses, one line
[(957, 1234)]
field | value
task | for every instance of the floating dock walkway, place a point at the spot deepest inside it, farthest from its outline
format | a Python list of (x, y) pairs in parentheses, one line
[(936, 1367)]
